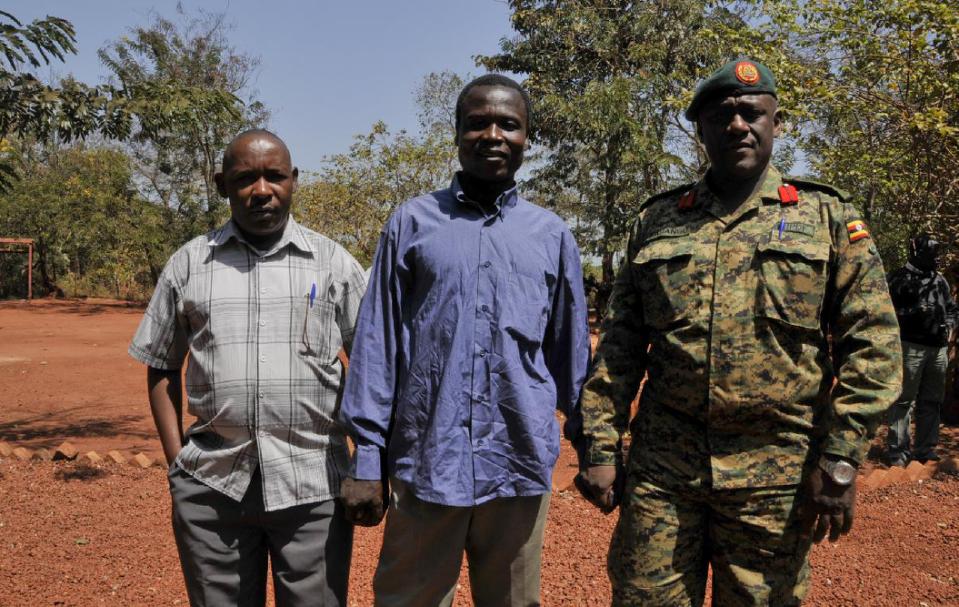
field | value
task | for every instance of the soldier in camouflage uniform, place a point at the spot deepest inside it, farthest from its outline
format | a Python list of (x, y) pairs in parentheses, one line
[(744, 297)]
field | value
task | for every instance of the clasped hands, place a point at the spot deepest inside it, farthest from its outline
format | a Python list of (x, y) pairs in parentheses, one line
[(602, 485)]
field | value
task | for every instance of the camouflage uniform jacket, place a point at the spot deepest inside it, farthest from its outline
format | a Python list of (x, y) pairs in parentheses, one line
[(728, 312)]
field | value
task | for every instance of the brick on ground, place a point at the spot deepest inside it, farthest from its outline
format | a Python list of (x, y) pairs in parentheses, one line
[(116, 456), (22, 454), (5, 449), (141, 460), (920, 472), (44, 455), (92, 457), (66, 451)]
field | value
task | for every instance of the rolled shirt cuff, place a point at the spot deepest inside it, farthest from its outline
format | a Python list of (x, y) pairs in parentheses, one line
[(854, 451), (598, 455), (367, 463)]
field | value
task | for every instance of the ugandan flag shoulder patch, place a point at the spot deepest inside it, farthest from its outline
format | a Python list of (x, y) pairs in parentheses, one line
[(857, 230)]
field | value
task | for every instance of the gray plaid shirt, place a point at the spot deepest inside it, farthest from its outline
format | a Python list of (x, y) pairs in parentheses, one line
[(263, 329)]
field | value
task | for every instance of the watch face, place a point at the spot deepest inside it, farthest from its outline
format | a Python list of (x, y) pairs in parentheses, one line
[(843, 473)]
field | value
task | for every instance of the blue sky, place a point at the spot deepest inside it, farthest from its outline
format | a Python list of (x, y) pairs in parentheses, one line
[(328, 68)]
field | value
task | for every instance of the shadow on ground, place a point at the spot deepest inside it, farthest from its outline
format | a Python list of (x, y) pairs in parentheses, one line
[(47, 431), (79, 472), (74, 306)]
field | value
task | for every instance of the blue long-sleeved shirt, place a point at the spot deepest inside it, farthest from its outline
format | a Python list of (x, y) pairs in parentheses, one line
[(473, 331)]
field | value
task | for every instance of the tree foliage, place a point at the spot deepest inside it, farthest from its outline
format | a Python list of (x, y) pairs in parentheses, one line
[(176, 163), (93, 234), (71, 109), (105, 220), (885, 123), (607, 79), (354, 194), (869, 88)]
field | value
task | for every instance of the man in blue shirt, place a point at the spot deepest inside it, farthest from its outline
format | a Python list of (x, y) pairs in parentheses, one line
[(472, 333)]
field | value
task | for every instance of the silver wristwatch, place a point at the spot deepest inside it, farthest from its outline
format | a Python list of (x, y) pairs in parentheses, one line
[(839, 470)]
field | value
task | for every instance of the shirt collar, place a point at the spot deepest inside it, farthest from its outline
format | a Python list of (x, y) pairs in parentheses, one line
[(504, 201), (769, 190), (292, 236)]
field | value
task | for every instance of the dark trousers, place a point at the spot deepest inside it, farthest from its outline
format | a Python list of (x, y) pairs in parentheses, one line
[(224, 546), (923, 388)]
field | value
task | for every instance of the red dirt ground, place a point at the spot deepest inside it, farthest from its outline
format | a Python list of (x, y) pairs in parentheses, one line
[(81, 535)]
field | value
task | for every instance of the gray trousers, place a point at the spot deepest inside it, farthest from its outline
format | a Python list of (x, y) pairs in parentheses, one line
[(923, 389), (423, 548), (224, 546)]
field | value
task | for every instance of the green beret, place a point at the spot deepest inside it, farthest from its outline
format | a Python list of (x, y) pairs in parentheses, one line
[(742, 76)]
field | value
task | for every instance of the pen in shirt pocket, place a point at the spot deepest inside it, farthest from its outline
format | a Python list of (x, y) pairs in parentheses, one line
[(310, 298)]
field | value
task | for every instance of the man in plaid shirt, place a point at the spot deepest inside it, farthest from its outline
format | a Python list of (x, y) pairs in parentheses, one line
[(262, 305)]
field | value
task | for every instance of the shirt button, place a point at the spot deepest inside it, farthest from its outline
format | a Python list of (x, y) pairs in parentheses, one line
[(485, 308), (261, 395), (262, 289), (262, 323), (486, 264), (481, 443), (262, 358), (482, 353)]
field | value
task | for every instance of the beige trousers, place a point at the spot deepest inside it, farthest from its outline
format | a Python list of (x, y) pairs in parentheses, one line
[(423, 548)]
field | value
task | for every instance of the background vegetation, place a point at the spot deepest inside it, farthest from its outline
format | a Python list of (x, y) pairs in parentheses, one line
[(110, 178)]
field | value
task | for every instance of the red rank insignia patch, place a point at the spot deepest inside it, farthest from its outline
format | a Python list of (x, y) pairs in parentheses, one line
[(747, 73), (857, 230), (788, 195), (687, 200)]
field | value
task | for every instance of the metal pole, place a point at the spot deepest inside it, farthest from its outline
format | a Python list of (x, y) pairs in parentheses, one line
[(29, 271)]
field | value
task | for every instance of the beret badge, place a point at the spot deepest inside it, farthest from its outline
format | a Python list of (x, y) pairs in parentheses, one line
[(747, 73)]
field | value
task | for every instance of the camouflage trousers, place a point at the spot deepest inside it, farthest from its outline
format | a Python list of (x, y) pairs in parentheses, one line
[(669, 535)]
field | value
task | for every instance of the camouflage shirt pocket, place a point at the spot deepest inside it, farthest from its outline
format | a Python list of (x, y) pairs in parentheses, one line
[(664, 274), (793, 277)]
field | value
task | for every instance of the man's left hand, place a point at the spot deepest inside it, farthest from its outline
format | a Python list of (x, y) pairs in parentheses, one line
[(826, 507)]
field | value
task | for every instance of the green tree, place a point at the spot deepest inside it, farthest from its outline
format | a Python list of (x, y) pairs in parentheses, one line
[(884, 123), (610, 80), (71, 110), (607, 79), (176, 164), (90, 227), (353, 195)]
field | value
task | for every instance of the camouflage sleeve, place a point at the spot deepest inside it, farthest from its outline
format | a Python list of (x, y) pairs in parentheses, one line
[(618, 367), (866, 349)]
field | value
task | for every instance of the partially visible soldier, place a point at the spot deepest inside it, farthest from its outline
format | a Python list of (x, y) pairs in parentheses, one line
[(743, 450), (927, 316)]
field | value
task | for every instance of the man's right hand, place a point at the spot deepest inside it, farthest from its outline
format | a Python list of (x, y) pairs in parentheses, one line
[(602, 486), (364, 501)]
